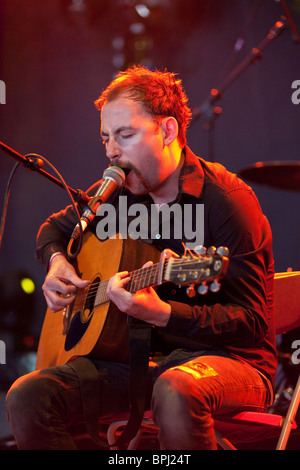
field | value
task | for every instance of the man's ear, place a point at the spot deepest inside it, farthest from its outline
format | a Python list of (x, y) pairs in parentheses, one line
[(169, 127)]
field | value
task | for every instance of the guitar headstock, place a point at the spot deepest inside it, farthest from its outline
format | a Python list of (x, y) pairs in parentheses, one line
[(197, 267)]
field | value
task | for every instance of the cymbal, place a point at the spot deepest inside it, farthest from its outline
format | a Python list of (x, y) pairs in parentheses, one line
[(278, 174)]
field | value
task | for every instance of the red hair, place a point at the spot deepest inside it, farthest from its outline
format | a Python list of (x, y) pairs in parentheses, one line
[(161, 93)]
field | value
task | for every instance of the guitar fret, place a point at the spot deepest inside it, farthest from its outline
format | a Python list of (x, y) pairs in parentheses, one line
[(146, 277), (142, 278), (139, 279)]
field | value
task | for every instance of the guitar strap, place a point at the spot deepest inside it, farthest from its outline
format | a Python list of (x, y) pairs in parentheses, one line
[(139, 340)]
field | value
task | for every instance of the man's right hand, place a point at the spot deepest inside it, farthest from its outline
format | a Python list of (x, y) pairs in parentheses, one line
[(61, 284)]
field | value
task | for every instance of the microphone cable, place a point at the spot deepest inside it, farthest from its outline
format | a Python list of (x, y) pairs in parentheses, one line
[(33, 161)]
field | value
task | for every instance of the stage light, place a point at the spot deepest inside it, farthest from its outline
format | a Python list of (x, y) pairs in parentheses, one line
[(118, 43), (118, 60), (17, 301), (137, 28), (27, 285), (77, 6), (142, 10)]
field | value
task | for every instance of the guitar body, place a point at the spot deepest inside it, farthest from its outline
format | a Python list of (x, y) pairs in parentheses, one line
[(103, 332)]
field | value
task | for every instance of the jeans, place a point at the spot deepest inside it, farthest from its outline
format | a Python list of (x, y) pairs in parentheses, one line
[(185, 391)]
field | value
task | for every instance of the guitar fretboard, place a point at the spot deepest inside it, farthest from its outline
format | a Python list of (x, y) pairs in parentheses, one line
[(139, 279)]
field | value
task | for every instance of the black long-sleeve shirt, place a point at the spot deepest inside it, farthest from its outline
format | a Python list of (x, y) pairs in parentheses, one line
[(237, 320)]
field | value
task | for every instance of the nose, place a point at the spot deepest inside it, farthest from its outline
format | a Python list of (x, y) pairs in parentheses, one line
[(113, 149)]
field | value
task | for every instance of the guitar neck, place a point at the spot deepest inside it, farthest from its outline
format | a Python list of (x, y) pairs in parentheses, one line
[(181, 271), (139, 279)]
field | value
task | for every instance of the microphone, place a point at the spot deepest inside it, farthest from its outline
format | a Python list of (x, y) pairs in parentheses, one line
[(113, 178)]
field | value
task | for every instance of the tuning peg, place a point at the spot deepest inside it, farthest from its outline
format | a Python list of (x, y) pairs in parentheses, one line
[(214, 286), (222, 251), (202, 289), (190, 291), (200, 249), (211, 250)]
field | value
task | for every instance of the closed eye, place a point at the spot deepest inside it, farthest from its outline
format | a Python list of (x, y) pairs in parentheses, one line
[(127, 136), (123, 133)]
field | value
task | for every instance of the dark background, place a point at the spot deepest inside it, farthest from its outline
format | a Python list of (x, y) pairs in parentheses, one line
[(57, 56)]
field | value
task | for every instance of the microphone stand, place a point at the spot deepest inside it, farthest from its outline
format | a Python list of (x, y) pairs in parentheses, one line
[(34, 163), (208, 110)]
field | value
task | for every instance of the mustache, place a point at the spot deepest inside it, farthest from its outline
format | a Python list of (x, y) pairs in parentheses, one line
[(127, 167), (124, 165)]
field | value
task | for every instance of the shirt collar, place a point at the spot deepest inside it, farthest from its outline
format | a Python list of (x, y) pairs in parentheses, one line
[(192, 175)]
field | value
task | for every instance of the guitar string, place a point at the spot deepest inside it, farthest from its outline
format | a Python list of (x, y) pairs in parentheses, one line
[(99, 288), (143, 272), (137, 276)]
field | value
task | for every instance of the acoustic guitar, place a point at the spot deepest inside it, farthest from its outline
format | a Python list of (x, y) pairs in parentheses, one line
[(93, 325)]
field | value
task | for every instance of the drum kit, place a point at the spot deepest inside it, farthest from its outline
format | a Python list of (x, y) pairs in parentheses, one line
[(277, 174), (280, 175)]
